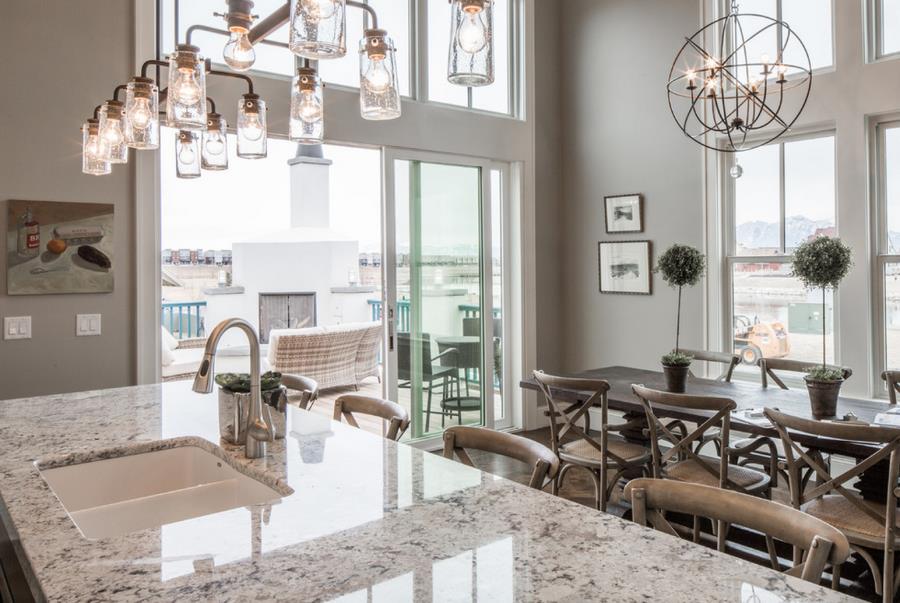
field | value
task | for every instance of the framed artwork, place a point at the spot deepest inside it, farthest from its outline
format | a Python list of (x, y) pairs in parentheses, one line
[(59, 248), (625, 267), (624, 213)]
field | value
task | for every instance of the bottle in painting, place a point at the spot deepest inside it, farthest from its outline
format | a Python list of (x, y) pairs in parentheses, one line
[(29, 239)]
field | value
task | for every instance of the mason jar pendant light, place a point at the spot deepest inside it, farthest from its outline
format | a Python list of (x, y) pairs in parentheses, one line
[(112, 131), (251, 127), (214, 152), (307, 124), (471, 43), (238, 52), (142, 113), (93, 153), (186, 97), (379, 95), (187, 154), (318, 28)]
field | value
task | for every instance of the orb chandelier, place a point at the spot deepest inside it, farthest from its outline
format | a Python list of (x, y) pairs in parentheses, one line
[(746, 88), (318, 31)]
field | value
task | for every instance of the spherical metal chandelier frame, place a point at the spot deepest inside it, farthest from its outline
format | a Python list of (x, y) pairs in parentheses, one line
[(728, 94)]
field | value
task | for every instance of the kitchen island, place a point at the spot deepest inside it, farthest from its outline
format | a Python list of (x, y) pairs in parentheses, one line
[(368, 520)]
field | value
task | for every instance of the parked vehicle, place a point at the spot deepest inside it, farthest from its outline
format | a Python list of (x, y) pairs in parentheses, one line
[(754, 339)]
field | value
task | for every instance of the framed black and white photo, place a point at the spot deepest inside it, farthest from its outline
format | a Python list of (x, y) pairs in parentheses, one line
[(624, 213), (625, 267)]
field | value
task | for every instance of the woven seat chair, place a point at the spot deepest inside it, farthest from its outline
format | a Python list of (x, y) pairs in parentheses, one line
[(396, 416), (606, 458), (892, 380), (730, 361), (868, 525), (822, 543), (460, 438)]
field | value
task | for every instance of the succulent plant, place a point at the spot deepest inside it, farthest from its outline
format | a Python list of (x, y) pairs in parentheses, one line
[(239, 383)]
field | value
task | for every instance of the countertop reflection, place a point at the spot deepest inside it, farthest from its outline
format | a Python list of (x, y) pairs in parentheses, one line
[(369, 520)]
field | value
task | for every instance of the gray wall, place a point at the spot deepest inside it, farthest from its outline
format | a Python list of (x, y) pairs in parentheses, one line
[(618, 137), (63, 57)]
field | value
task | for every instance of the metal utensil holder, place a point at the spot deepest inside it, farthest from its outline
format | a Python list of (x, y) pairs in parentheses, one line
[(234, 412)]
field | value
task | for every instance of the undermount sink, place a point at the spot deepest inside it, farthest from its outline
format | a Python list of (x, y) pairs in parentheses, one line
[(135, 491)]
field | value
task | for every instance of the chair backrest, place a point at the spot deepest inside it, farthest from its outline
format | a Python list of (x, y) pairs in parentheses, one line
[(798, 458), (542, 460), (823, 543), (892, 379), (564, 418), (768, 366), (729, 360), (393, 413), (683, 444), (405, 348), (472, 327), (308, 388)]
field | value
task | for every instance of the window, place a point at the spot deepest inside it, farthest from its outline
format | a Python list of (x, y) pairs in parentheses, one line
[(785, 196), (810, 19), (888, 239), (494, 98), (886, 27)]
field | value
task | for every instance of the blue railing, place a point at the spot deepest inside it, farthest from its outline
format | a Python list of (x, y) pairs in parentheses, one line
[(184, 320), (468, 310)]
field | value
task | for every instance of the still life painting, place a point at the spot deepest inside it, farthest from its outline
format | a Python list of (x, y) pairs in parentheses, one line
[(54, 247)]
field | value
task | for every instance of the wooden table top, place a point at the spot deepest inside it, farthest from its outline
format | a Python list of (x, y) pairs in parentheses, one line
[(745, 395)]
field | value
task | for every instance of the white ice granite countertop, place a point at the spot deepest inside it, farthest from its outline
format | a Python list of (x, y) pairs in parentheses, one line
[(369, 520)]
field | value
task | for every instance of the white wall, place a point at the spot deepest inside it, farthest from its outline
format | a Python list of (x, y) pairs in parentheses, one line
[(618, 137)]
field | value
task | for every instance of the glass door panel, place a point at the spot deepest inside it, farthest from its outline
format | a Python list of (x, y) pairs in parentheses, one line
[(438, 293)]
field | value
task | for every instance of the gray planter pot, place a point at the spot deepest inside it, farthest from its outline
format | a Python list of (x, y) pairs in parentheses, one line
[(823, 397), (234, 410), (676, 378)]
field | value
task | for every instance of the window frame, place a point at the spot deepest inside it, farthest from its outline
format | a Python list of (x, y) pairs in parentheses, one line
[(881, 236), (731, 258), (875, 33)]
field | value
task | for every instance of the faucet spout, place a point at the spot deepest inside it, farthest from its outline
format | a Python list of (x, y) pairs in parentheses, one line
[(259, 432)]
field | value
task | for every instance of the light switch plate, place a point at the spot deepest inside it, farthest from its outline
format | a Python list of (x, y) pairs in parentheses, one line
[(87, 325), (17, 327)]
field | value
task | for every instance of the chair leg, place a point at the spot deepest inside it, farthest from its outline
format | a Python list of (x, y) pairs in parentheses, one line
[(428, 411), (603, 482), (836, 577), (887, 587), (598, 488)]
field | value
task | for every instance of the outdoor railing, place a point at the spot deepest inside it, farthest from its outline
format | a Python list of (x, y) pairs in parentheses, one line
[(468, 310), (184, 320)]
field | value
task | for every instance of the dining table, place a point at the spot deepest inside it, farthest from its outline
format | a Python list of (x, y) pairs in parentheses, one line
[(747, 396)]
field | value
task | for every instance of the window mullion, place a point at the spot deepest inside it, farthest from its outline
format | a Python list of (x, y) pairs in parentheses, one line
[(781, 194)]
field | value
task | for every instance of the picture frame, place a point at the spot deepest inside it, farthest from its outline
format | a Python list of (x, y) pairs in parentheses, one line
[(624, 213), (625, 267)]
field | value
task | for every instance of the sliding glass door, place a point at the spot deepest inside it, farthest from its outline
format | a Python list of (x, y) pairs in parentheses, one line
[(443, 290)]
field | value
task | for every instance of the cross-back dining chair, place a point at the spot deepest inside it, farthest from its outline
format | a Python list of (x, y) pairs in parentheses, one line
[(308, 390), (396, 416), (822, 543), (459, 439), (867, 524), (892, 380), (680, 461), (606, 458), (768, 366), (730, 361)]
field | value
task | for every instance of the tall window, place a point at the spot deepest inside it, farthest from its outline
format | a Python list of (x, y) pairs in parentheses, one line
[(886, 27), (888, 238), (810, 19), (785, 196)]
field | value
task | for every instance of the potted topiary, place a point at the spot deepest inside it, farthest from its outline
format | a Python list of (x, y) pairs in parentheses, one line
[(680, 266), (822, 263)]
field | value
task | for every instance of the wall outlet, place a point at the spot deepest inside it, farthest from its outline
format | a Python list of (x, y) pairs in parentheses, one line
[(17, 327), (87, 325)]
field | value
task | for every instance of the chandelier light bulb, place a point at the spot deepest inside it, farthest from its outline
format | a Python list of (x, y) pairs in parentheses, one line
[(377, 78), (186, 153), (185, 88), (309, 109), (239, 53), (140, 113), (319, 10), (251, 128), (472, 33), (215, 145)]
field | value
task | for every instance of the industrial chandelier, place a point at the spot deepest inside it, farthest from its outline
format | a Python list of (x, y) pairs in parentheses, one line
[(318, 31), (737, 89)]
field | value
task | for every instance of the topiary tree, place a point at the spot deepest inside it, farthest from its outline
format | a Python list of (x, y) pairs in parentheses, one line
[(680, 266), (822, 263)]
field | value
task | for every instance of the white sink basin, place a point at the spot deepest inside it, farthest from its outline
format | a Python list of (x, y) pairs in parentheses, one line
[(125, 494)]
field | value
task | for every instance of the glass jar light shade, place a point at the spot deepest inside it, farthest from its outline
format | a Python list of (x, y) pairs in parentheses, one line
[(251, 127), (187, 154), (307, 109), (112, 131), (379, 95), (93, 154), (142, 114), (186, 97), (471, 60), (214, 153), (318, 28)]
